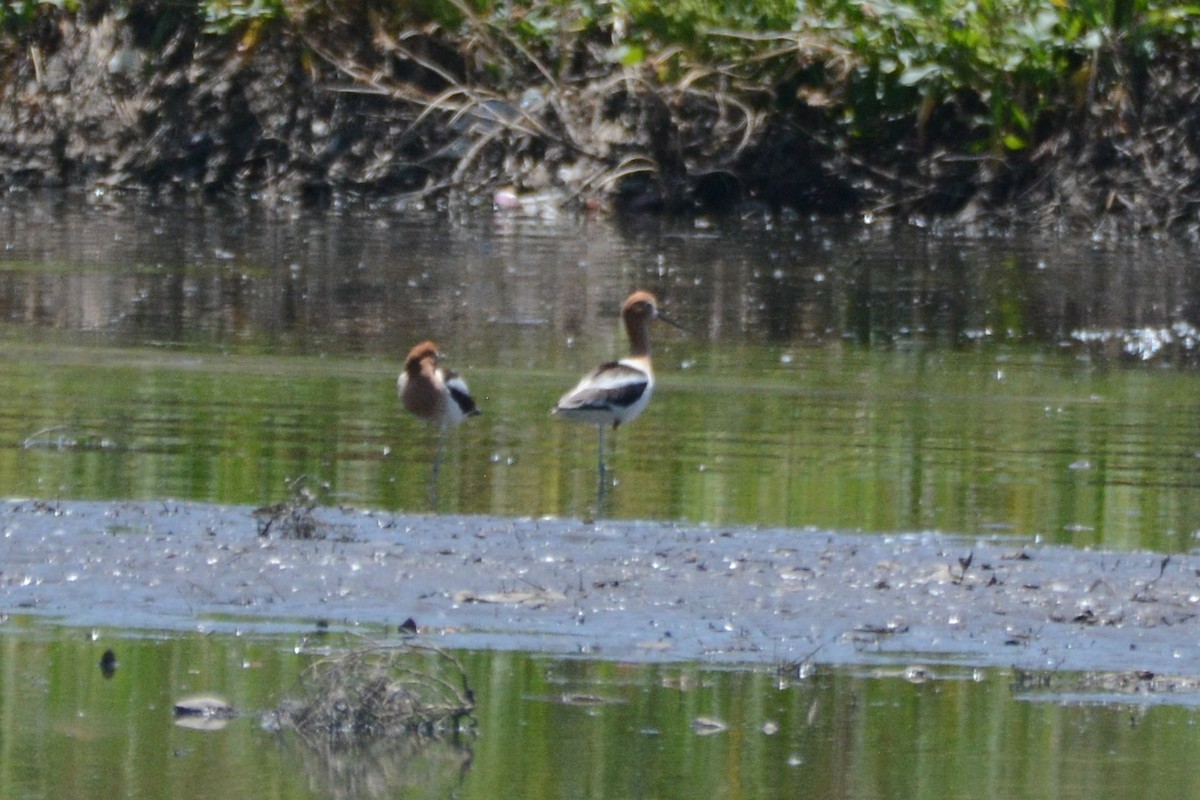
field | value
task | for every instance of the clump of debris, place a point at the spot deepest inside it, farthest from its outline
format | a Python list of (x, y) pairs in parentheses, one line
[(378, 692), (292, 518)]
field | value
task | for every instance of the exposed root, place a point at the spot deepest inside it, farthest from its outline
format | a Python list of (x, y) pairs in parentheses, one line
[(358, 100), (379, 692), (654, 141)]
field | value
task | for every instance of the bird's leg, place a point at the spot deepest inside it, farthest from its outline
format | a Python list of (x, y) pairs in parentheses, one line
[(437, 468), (602, 485), (600, 450)]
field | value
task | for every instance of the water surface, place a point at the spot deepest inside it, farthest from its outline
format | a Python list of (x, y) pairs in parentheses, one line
[(578, 728), (855, 377), (850, 377)]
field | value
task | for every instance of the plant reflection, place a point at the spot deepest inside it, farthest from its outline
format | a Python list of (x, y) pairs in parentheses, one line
[(382, 768)]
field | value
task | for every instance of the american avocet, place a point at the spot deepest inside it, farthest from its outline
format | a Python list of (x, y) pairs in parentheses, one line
[(438, 396), (617, 392)]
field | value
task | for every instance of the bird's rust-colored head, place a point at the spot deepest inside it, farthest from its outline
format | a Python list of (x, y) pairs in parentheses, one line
[(640, 305), (639, 310), (420, 353)]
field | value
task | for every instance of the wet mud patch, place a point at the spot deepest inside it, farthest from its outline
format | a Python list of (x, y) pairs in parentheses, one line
[(623, 590)]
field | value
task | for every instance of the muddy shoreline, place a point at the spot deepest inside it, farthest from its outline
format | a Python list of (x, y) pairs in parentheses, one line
[(630, 591)]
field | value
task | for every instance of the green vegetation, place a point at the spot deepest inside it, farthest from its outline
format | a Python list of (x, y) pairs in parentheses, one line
[(18, 15), (835, 104), (1005, 64)]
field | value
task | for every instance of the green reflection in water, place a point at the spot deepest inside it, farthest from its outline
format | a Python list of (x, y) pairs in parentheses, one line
[(566, 728), (980, 441)]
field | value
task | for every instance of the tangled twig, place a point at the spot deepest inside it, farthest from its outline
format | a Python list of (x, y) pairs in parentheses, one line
[(379, 692)]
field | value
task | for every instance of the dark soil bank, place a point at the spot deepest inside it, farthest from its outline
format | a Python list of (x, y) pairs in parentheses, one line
[(618, 590), (336, 108)]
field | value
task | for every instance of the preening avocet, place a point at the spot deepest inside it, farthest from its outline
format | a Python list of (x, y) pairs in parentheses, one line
[(618, 391), (436, 395)]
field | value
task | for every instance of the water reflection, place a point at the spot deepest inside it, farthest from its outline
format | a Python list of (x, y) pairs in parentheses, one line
[(404, 768), (838, 376), (573, 728), (356, 281)]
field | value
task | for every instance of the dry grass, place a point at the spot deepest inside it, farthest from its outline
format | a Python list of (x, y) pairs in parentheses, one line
[(334, 99), (293, 518), (379, 692), (577, 132)]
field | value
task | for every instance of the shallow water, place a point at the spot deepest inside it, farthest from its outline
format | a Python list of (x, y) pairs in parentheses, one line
[(832, 377), (549, 727), (847, 377)]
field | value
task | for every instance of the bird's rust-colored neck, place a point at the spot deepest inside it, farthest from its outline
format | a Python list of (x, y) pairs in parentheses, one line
[(638, 312)]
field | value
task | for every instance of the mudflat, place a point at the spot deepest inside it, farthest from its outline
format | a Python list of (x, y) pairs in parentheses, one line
[(621, 590)]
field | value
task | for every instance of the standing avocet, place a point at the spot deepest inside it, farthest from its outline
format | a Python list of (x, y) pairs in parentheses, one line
[(618, 391), (435, 395)]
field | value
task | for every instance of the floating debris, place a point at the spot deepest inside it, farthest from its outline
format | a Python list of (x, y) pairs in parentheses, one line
[(108, 663), (1139, 685), (535, 598), (917, 674), (378, 692), (1179, 340), (203, 712), (292, 518), (584, 699), (707, 726), (61, 437)]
